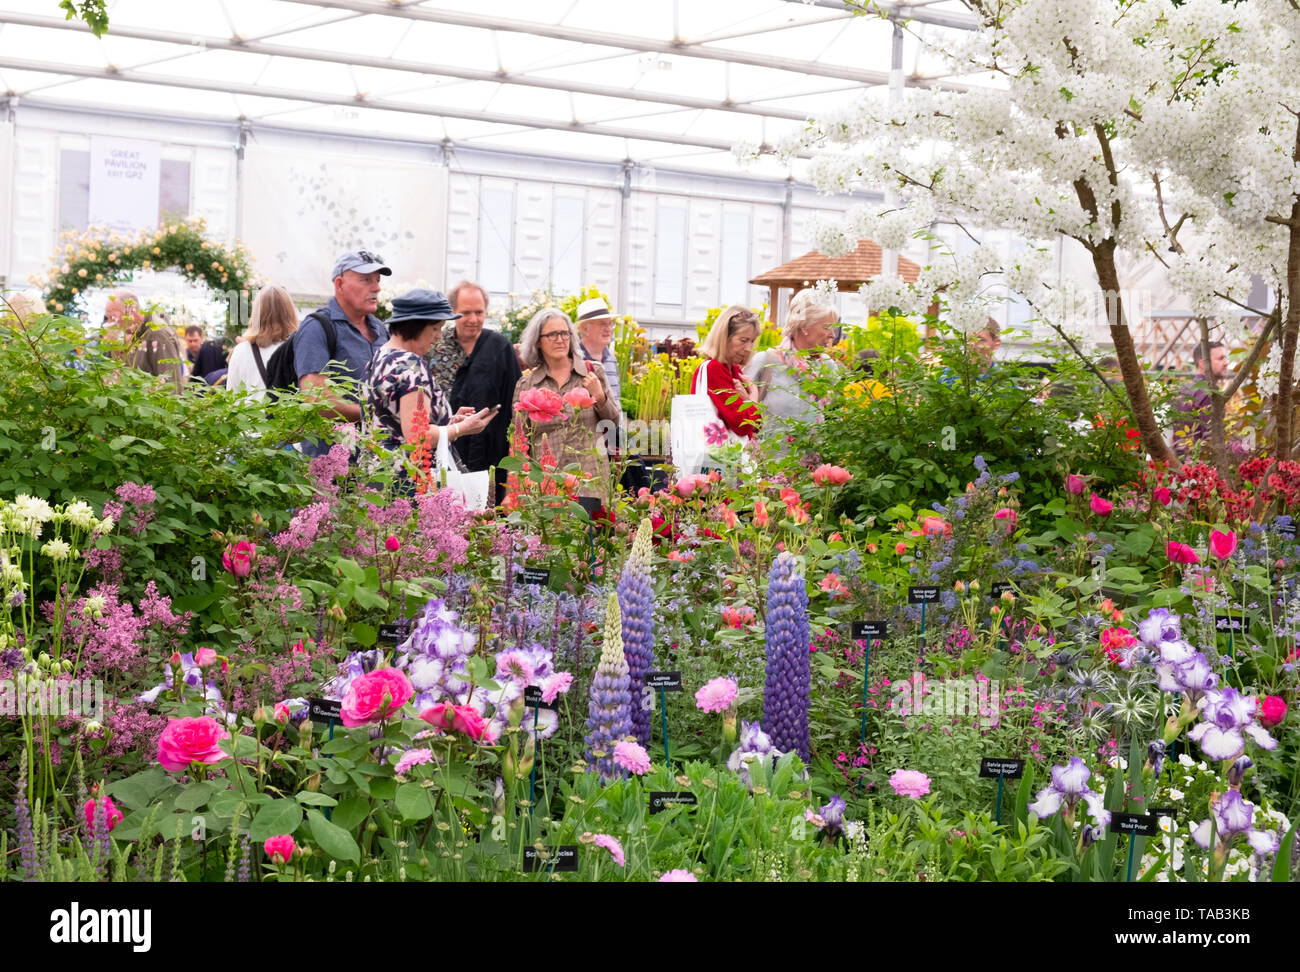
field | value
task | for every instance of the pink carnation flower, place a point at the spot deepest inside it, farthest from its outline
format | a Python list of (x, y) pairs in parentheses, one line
[(632, 757), (910, 783), (716, 695)]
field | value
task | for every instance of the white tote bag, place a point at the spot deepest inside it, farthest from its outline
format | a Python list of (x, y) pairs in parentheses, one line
[(688, 418), (472, 486)]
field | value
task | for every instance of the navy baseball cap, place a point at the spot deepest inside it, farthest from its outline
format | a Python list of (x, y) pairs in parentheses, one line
[(362, 261)]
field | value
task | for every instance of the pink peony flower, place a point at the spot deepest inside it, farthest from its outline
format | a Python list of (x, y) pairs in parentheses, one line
[(691, 483), (1163, 496), (1008, 518), (279, 849), (205, 657), (1272, 710), (112, 815), (392, 544), (1180, 553), (540, 404), (555, 686), (632, 757), (1222, 545), (679, 876), (1101, 507), (828, 475), (612, 845), (1074, 484), (461, 718), (375, 695), (579, 398), (239, 558), (716, 695), (192, 740), (910, 783)]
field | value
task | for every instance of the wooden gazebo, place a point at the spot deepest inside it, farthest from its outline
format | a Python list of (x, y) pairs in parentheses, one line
[(849, 272)]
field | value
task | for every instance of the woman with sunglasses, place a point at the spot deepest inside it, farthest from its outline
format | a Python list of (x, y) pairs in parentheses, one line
[(549, 349)]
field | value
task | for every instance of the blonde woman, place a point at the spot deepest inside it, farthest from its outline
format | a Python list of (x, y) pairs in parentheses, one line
[(729, 347), (778, 374), (273, 321)]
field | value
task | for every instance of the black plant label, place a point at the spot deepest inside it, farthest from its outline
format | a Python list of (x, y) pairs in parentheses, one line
[(1135, 824), (562, 858), (668, 681), (661, 801), (324, 709), (862, 630), (1011, 768), (922, 595)]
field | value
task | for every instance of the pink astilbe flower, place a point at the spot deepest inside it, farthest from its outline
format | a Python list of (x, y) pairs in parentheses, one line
[(140, 497), (632, 757), (304, 529), (324, 470)]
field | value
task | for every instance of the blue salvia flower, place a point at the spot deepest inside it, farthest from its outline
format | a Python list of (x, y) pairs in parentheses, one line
[(26, 839), (609, 711), (636, 605), (788, 679), (245, 861)]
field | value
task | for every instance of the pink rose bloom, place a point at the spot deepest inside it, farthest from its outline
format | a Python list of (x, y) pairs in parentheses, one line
[(1074, 484), (932, 526), (541, 404), (193, 740), (112, 815), (239, 558), (1180, 553), (612, 845), (1222, 545), (1163, 496), (1101, 507), (689, 484), (555, 686), (279, 849), (1008, 518), (1272, 710), (461, 718), (900, 548), (910, 783), (717, 695), (205, 657), (579, 398), (833, 586), (392, 544), (632, 757), (828, 475), (375, 695), (281, 712), (679, 876)]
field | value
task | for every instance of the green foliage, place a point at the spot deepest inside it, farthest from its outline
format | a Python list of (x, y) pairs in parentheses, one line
[(93, 12)]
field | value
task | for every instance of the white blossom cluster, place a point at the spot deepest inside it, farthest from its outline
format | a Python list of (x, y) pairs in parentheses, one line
[(1083, 106)]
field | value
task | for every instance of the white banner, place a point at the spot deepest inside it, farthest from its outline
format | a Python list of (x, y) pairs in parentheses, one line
[(124, 179)]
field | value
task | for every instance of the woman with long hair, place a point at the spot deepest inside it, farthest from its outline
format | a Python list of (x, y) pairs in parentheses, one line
[(272, 322)]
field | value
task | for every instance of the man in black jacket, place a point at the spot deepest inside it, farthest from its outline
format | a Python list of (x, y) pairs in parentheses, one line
[(478, 367)]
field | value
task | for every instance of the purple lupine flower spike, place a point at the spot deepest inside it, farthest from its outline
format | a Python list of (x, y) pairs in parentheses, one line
[(609, 713), (636, 603), (788, 678)]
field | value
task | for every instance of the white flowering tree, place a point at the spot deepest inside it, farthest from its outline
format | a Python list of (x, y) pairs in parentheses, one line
[(1131, 126)]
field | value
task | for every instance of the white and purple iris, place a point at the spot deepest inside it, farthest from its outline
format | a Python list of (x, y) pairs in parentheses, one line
[(754, 744), (192, 677), (1231, 815), (1227, 718), (1069, 786)]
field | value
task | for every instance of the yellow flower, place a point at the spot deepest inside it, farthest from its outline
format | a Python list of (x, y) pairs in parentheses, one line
[(99, 276), (112, 258), (58, 307), (215, 265), (144, 265), (74, 290), (157, 249), (189, 266), (81, 272)]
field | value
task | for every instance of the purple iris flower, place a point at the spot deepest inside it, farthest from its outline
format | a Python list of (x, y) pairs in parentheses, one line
[(1231, 815), (1226, 715), (1160, 626), (833, 812), (1069, 786)]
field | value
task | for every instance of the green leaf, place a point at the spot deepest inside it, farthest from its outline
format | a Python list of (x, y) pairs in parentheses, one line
[(309, 798), (194, 796), (333, 839), (365, 634), (282, 816), (1282, 861), (414, 802), (351, 811)]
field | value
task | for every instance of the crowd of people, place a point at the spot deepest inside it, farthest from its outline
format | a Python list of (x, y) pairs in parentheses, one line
[(435, 355)]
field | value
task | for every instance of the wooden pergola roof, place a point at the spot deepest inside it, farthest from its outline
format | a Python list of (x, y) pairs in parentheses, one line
[(849, 271)]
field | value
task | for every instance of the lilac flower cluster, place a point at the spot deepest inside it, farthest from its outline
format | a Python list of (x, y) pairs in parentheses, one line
[(787, 682), (636, 605), (609, 712), (306, 527)]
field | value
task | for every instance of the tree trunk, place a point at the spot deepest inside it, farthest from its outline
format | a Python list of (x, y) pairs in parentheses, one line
[(1218, 405), (1285, 396), (1130, 369)]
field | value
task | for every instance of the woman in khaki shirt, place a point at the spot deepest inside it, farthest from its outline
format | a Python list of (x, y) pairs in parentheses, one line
[(549, 349)]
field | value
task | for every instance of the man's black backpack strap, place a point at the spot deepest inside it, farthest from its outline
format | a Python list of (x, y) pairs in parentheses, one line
[(281, 372)]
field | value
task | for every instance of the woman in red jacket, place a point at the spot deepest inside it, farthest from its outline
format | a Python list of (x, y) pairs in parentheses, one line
[(729, 347)]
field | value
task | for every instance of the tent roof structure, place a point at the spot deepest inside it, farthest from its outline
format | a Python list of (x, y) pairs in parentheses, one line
[(849, 271), (676, 83)]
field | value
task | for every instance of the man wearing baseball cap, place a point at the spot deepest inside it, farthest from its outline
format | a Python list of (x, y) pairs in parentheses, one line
[(357, 332)]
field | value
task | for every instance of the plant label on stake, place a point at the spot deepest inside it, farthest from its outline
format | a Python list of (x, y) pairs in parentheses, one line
[(922, 596), (541, 576), (998, 588), (562, 858), (864, 631), (662, 800), (1001, 768), (664, 682), (331, 710), (1288, 530), (392, 634), (1135, 825), (533, 697)]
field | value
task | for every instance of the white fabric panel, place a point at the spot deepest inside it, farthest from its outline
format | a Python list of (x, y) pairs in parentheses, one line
[(532, 250), (640, 254), (462, 228), (569, 212), (765, 249), (35, 202), (703, 258), (600, 251), (301, 210), (212, 190)]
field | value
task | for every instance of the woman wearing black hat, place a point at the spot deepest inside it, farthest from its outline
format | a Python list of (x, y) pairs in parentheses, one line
[(398, 380)]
